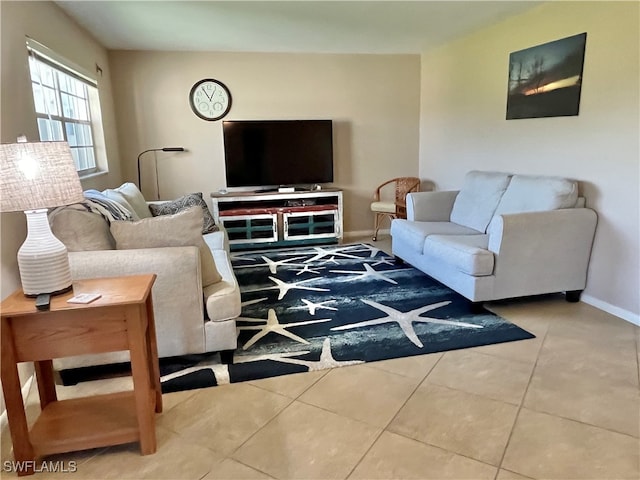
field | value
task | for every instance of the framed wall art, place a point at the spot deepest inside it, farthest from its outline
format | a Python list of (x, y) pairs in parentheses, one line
[(546, 80)]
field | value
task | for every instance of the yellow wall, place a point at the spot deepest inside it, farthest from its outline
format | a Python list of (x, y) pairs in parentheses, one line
[(46, 23), (463, 127), (373, 100)]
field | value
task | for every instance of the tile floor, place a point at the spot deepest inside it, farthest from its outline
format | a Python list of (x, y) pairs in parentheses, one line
[(564, 405)]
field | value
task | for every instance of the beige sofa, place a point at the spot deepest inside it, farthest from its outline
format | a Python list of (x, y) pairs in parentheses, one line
[(189, 319), (500, 236)]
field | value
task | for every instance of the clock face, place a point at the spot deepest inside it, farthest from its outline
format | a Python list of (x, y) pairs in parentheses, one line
[(210, 99)]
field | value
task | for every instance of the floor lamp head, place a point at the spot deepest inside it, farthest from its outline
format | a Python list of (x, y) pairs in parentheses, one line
[(36, 176), (163, 149)]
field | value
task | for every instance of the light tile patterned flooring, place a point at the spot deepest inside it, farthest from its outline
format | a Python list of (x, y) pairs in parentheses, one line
[(564, 405)]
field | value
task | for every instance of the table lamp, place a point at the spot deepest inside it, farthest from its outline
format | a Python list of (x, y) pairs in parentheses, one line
[(33, 178)]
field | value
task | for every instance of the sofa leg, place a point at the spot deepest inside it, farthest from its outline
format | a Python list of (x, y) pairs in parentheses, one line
[(226, 356), (572, 296)]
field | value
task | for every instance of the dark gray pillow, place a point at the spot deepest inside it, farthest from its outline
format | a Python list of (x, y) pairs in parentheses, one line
[(182, 203)]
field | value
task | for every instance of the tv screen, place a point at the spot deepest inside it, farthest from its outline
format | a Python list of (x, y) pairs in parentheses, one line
[(278, 152)]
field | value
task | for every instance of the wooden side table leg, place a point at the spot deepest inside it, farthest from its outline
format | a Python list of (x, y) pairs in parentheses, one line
[(142, 386), (154, 367), (22, 447), (46, 382)]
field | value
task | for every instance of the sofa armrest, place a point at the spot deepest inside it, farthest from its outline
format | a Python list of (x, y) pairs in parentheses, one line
[(430, 206), (177, 292), (542, 251)]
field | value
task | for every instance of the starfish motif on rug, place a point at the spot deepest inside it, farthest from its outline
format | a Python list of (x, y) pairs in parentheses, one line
[(326, 358), (220, 371), (317, 306), (252, 302), (331, 260), (320, 253), (284, 287), (240, 257), (273, 325), (309, 269), (369, 272), (383, 261), (273, 264), (406, 319), (373, 251)]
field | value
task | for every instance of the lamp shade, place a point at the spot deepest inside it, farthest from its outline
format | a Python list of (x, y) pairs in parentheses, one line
[(36, 175), (33, 178)]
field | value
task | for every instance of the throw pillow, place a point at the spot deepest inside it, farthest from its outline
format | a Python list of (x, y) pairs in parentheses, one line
[(182, 203), (80, 229), (179, 230), (135, 198), (120, 199)]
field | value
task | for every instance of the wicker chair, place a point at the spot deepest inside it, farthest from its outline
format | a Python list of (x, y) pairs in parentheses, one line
[(389, 208)]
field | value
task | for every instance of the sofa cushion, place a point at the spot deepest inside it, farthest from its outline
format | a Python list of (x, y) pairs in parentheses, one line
[(182, 203), (179, 230), (466, 253), (478, 199), (135, 198), (415, 233), (79, 229), (528, 193), (222, 299), (386, 207)]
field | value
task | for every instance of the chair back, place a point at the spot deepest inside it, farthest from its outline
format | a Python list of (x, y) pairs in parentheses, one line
[(405, 185)]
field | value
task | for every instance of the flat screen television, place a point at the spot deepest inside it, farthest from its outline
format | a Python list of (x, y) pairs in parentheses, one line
[(268, 153)]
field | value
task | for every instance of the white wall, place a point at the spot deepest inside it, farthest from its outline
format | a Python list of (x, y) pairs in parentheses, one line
[(374, 101), (46, 23), (463, 127), (49, 25)]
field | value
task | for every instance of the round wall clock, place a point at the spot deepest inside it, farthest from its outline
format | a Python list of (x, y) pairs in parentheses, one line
[(210, 99)]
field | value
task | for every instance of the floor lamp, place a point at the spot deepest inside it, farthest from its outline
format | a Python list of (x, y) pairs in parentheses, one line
[(164, 149), (33, 178)]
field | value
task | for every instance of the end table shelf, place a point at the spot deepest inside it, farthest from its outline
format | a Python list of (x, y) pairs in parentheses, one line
[(122, 319), (82, 423)]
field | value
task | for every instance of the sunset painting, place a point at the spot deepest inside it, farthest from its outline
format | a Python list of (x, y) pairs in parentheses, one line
[(546, 80)]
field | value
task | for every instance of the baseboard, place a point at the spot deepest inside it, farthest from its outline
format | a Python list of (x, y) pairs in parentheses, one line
[(364, 233), (612, 309)]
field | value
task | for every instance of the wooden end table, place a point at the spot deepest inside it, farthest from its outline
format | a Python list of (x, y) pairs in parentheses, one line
[(122, 319)]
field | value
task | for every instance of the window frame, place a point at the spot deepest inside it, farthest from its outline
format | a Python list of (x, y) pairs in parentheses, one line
[(90, 96)]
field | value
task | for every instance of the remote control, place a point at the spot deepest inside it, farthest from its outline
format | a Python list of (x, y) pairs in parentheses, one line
[(43, 301)]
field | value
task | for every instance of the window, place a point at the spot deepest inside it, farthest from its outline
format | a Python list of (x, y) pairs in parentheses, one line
[(64, 102)]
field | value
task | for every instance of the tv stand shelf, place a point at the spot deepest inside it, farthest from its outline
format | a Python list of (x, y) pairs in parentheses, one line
[(265, 219)]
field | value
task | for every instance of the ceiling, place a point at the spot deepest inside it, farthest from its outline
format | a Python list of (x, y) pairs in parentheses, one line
[(293, 26)]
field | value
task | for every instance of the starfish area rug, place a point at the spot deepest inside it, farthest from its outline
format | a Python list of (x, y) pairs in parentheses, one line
[(320, 307)]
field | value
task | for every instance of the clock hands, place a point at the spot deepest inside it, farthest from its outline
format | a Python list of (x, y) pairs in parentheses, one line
[(209, 97)]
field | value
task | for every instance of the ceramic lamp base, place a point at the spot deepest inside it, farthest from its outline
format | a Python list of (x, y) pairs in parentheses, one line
[(43, 259)]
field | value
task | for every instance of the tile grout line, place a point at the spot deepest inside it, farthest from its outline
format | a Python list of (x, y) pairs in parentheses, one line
[(384, 429), (293, 400), (524, 395)]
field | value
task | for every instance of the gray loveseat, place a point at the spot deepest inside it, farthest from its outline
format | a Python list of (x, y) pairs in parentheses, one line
[(189, 318), (500, 236)]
